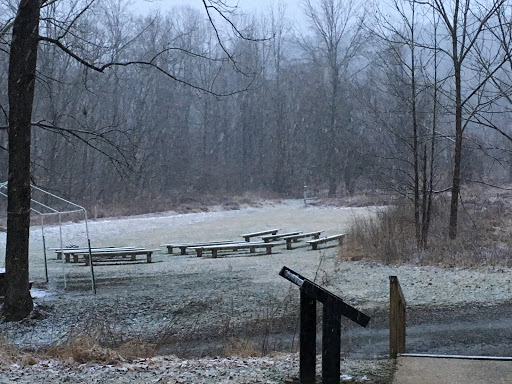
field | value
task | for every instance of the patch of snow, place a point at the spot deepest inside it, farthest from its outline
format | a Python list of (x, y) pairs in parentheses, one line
[(38, 293)]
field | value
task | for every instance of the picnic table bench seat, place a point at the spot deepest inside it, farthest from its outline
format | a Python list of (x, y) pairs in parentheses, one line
[(183, 246), (314, 243), (105, 256), (278, 236), (247, 236), (294, 238), (252, 246)]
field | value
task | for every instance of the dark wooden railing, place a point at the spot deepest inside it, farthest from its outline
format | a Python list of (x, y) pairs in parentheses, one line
[(333, 308)]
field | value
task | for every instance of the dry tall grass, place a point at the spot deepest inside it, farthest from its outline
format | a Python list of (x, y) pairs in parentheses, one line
[(484, 235)]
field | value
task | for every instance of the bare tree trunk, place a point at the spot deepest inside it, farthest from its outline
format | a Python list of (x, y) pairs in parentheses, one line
[(417, 218), (22, 72), (454, 205), (428, 213)]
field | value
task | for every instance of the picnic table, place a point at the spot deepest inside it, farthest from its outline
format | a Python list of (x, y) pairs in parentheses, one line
[(252, 246), (247, 236), (314, 243), (183, 246), (119, 255), (294, 238), (75, 252), (278, 236)]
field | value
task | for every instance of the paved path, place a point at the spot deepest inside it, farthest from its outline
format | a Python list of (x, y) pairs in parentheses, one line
[(423, 370)]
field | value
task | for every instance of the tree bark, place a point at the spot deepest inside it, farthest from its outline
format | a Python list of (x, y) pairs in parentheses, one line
[(454, 205), (22, 73)]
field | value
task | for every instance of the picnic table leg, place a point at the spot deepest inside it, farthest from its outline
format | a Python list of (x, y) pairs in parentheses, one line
[(269, 249), (169, 249), (134, 257), (317, 236), (341, 240), (288, 244), (75, 258), (274, 232), (214, 253), (148, 257), (247, 238), (183, 250), (67, 257), (86, 257), (315, 246), (253, 249), (199, 252), (59, 255)]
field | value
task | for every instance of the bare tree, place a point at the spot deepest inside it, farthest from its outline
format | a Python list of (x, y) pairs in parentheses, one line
[(337, 25), (22, 76), (465, 23)]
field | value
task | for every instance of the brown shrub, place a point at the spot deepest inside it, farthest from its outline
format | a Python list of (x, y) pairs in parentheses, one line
[(484, 235)]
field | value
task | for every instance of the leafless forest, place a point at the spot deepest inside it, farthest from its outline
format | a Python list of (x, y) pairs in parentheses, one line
[(124, 111), (361, 98)]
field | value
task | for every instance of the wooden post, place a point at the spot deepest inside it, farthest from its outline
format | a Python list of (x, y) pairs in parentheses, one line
[(331, 340), (397, 318), (307, 339)]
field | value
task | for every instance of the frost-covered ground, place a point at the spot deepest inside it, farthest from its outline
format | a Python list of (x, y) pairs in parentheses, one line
[(235, 304)]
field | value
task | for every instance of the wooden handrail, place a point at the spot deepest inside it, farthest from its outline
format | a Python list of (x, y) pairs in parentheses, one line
[(397, 318)]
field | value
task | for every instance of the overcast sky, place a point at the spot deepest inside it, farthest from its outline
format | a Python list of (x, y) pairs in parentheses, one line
[(292, 6)]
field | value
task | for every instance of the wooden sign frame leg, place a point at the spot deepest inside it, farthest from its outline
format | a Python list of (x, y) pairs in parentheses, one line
[(331, 345), (307, 372)]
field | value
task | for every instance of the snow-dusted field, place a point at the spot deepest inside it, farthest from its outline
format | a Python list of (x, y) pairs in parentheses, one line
[(196, 305)]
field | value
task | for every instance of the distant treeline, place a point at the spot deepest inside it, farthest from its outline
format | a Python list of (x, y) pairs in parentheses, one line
[(265, 108)]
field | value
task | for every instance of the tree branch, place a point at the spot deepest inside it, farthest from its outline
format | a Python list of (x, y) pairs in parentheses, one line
[(151, 63)]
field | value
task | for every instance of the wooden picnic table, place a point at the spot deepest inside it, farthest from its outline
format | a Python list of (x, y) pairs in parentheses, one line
[(314, 243), (236, 246), (294, 238), (183, 246), (278, 236), (247, 236), (72, 250), (105, 256)]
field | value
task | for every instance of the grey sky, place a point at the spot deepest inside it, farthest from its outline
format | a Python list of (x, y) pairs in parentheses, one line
[(292, 6)]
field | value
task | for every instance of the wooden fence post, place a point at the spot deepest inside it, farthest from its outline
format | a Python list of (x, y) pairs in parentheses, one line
[(397, 318)]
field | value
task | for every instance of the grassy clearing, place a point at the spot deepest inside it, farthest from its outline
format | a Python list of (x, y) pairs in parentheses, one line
[(484, 234)]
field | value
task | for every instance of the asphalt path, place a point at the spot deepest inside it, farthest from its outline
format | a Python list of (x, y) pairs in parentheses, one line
[(421, 370), (475, 330)]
